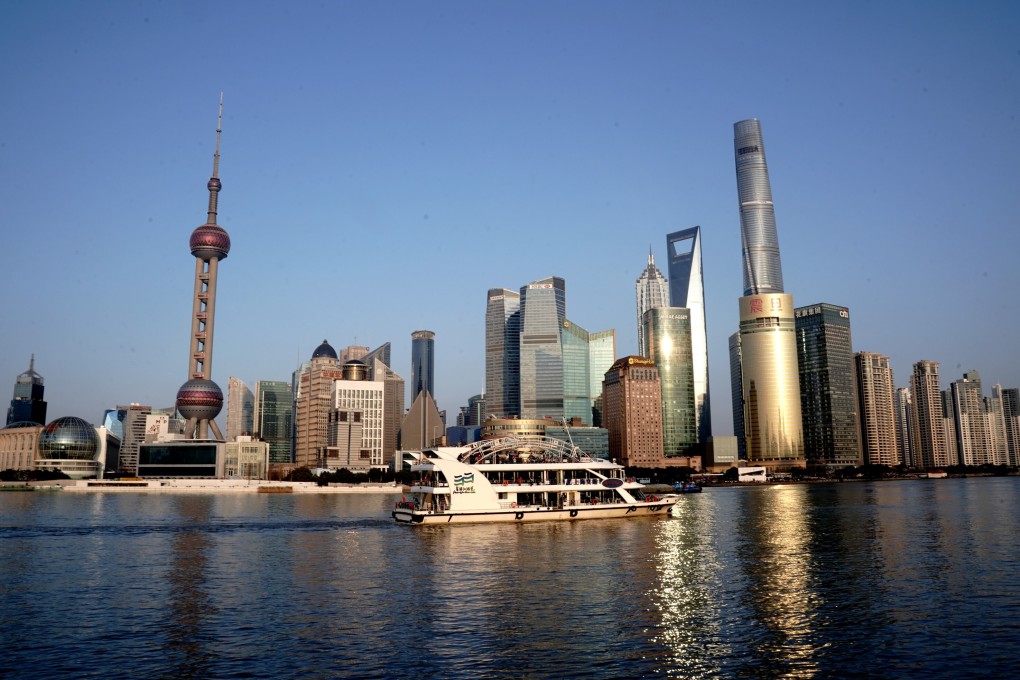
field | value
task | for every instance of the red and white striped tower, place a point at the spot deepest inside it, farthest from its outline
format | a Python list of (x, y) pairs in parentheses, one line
[(200, 399)]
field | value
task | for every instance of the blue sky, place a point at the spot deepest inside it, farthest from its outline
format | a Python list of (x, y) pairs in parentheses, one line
[(384, 164)]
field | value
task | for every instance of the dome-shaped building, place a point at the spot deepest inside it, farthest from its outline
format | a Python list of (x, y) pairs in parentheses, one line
[(72, 446), (325, 351), (355, 369)]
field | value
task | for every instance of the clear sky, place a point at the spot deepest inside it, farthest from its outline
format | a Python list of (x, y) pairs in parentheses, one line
[(384, 164)]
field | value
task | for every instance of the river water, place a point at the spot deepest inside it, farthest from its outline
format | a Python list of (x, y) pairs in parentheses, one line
[(880, 580)]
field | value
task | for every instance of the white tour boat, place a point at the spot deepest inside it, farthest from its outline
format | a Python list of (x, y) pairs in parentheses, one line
[(520, 479)]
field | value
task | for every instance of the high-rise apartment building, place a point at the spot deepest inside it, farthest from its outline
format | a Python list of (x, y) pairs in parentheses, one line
[(652, 290), (828, 400), (973, 436), (28, 405), (502, 353), (1011, 417), (668, 333), (312, 406), (273, 418), (980, 423), (927, 425), (687, 289), (995, 413), (240, 409), (423, 349), (543, 311), (632, 412), (904, 433), (877, 407), (200, 400), (949, 427), (773, 431)]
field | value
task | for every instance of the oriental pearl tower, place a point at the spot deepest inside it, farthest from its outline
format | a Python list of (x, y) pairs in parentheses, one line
[(200, 400)]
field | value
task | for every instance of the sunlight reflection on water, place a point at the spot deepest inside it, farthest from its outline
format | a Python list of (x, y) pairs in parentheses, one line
[(795, 581)]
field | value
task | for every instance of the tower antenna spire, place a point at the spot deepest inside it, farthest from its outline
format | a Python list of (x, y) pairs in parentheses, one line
[(214, 182)]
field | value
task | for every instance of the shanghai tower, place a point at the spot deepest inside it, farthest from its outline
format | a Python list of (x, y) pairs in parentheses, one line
[(770, 383), (763, 272)]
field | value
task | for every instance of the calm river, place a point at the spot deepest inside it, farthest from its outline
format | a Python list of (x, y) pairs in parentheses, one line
[(885, 580)]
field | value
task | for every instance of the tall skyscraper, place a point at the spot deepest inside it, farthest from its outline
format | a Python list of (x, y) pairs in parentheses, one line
[(312, 406), (773, 433), (28, 405), (355, 431), (538, 364), (199, 400), (980, 423), (973, 438), (1011, 415), (877, 408), (687, 289), (423, 349), (632, 405), (828, 400), (952, 454), (737, 395), (273, 418), (240, 408), (543, 311), (502, 353), (652, 290), (904, 433), (378, 363), (668, 333), (926, 417), (586, 358)]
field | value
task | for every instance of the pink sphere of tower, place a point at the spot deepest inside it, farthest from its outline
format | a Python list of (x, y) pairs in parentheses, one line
[(209, 241), (200, 399)]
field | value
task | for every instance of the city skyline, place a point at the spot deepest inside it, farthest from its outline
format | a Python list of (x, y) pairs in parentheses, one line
[(598, 155)]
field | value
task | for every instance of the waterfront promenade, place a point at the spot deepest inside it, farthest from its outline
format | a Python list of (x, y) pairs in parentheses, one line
[(227, 486)]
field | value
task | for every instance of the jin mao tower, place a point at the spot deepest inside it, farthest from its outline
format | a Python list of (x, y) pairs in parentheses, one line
[(200, 399)]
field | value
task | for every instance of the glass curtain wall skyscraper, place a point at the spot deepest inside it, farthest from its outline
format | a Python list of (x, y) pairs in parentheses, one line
[(586, 358), (543, 311), (502, 353), (687, 289), (652, 290), (274, 417), (28, 405), (240, 408), (668, 330), (828, 396), (770, 386), (423, 347)]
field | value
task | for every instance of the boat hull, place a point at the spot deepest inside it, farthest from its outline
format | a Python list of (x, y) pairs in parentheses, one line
[(608, 511)]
